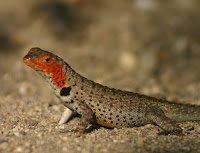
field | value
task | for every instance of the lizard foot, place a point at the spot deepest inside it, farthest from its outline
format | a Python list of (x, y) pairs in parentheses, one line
[(177, 132)]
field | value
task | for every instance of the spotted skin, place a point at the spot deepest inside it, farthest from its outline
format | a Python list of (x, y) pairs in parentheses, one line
[(108, 107)]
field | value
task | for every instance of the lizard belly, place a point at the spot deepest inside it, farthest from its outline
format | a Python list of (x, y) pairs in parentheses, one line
[(106, 124)]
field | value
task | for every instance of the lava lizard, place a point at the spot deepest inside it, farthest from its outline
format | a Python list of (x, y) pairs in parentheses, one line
[(106, 106)]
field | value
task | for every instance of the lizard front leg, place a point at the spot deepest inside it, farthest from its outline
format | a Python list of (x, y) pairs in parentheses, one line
[(157, 116), (87, 116)]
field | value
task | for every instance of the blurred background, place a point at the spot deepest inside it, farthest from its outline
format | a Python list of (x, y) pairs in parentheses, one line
[(148, 46)]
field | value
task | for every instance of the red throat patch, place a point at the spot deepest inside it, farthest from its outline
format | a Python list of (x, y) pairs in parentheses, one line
[(47, 65)]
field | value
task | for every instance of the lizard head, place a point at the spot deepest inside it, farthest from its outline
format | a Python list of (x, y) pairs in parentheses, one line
[(47, 64)]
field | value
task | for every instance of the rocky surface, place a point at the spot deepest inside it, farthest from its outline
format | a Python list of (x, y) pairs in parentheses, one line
[(147, 46)]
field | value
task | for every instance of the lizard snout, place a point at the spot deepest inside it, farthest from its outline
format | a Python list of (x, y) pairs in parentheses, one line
[(26, 58)]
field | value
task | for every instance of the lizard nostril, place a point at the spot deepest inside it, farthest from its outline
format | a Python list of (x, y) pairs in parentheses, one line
[(26, 58)]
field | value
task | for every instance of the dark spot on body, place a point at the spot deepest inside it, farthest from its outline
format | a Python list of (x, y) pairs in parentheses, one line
[(97, 104), (72, 101), (93, 85), (116, 123), (65, 91), (110, 113), (99, 109), (104, 89), (111, 121), (101, 114), (104, 120), (113, 91), (100, 101), (109, 118), (124, 117), (118, 119), (104, 111), (77, 92), (76, 108), (117, 115), (82, 79), (123, 94), (75, 84), (69, 79)]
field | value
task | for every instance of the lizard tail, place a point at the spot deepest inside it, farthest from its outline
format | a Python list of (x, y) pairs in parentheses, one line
[(182, 112)]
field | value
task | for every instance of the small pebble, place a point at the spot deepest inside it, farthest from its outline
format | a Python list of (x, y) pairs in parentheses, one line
[(19, 149), (8, 126), (22, 133), (32, 122), (127, 60), (44, 122), (6, 131), (3, 141)]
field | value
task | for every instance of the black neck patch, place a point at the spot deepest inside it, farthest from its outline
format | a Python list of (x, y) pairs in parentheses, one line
[(65, 91)]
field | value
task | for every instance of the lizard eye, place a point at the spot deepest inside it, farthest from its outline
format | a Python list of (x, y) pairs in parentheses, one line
[(47, 60)]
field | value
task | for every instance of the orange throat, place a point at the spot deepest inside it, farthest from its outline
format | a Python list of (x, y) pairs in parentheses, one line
[(52, 69)]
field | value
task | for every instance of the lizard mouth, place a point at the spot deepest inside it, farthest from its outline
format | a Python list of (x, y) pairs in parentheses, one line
[(32, 63), (27, 60)]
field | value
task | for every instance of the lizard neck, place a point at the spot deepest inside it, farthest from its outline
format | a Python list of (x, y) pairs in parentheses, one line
[(60, 76), (71, 81)]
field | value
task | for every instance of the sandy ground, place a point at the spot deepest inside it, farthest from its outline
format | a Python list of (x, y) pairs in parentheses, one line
[(147, 46)]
